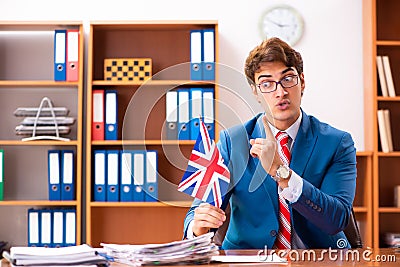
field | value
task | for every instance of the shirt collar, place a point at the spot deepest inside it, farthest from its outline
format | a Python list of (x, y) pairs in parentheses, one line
[(291, 131)]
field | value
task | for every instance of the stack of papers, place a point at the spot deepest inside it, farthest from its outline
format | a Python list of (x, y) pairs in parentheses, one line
[(82, 255), (198, 250)]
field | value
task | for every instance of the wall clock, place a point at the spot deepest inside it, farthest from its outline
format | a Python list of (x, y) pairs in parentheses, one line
[(282, 21)]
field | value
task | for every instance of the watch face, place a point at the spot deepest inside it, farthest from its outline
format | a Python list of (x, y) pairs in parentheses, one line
[(283, 172), (283, 22)]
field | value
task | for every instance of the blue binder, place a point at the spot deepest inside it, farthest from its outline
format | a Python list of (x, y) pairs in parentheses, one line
[(183, 115), (126, 186), (111, 114), (60, 41), (70, 227), (99, 193), (67, 175), (54, 172), (58, 228), (208, 54), (33, 227), (171, 111), (112, 161), (196, 55), (151, 183), (46, 225), (196, 111), (138, 175), (208, 111)]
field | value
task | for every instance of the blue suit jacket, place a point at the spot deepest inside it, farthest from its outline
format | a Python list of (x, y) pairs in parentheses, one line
[(323, 156)]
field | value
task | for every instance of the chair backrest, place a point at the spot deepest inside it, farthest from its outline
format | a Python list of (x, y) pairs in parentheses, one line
[(352, 232)]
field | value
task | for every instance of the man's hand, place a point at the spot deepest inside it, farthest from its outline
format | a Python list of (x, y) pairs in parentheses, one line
[(207, 216), (266, 150)]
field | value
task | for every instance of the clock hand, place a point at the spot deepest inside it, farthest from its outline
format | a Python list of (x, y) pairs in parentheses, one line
[(277, 24)]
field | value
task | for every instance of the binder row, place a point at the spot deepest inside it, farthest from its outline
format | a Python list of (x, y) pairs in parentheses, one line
[(105, 115), (61, 174), (51, 227), (66, 55), (125, 175), (202, 54), (184, 107), (1, 174)]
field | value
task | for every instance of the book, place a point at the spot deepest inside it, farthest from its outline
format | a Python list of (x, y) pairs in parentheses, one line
[(386, 114), (382, 131), (388, 75), (381, 76)]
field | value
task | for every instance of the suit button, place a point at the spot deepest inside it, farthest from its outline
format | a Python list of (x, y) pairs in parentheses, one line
[(273, 233), (319, 209), (315, 207), (308, 201)]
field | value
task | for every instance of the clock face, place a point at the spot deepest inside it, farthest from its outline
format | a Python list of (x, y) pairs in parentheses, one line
[(283, 22)]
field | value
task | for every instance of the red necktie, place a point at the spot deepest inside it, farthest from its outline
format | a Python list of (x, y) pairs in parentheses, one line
[(283, 240)]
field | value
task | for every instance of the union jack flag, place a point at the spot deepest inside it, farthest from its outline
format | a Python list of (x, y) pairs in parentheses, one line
[(206, 176)]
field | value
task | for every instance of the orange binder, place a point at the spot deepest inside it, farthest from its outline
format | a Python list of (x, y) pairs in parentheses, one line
[(98, 115), (72, 55)]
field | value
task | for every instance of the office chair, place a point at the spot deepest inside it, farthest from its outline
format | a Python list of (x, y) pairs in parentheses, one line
[(352, 232)]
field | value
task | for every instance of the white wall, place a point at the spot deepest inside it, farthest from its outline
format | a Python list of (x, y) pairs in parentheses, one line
[(331, 46)]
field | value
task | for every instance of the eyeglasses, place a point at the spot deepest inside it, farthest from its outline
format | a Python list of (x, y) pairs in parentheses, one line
[(271, 86)]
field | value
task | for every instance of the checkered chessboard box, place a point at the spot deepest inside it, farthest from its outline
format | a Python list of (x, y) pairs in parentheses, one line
[(127, 69)]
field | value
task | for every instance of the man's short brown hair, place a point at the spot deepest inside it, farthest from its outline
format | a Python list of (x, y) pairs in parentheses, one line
[(272, 50)]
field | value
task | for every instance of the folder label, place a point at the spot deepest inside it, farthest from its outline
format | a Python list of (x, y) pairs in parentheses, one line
[(72, 55), (45, 229), (196, 112), (208, 112), (138, 176), (98, 115), (151, 176), (70, 227), (208, 55), (54, 175), (58, 228), (99, 176), (59, 55), (112, 176), (126, 176), (111, 115), (68, 188), (33, 228), (195, 55), (172, 114), (183, 115)]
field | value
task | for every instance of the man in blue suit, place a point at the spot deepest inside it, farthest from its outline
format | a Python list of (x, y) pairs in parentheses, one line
[(318, 185)]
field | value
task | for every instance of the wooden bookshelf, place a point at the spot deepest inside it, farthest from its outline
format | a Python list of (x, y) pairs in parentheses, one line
[(141, 125), (382, 37), (26, 76)]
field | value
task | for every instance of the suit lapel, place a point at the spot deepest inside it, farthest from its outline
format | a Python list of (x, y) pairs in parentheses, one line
[(303, 146)]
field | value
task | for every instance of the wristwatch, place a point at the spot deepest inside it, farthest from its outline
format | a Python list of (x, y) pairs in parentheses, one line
[(283, 172)]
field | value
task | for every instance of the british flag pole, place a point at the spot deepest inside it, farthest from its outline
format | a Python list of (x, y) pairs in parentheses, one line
[(206, 177)]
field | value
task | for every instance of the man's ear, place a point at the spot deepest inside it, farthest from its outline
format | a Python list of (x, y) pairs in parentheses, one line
[(302, 82)]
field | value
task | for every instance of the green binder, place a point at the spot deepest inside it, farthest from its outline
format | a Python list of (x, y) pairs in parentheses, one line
[(1, 173)]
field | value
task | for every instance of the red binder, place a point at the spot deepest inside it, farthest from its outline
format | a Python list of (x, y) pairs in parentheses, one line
[(98, 115), (72, 55)]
